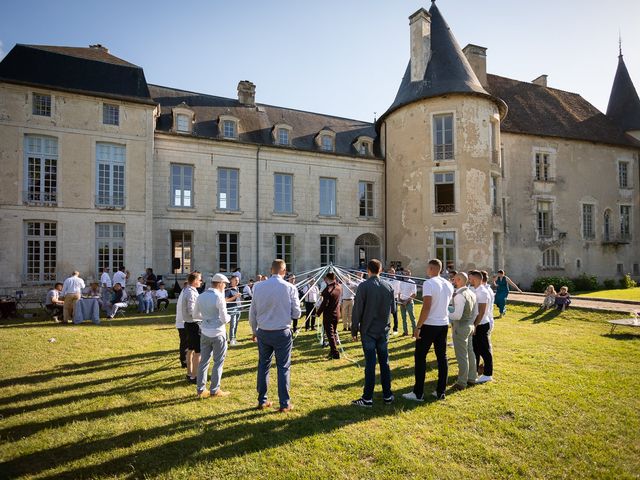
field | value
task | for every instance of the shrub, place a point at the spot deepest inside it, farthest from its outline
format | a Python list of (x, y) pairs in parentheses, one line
[(627, 282), (609, 284), (540, 284), (586, 283)]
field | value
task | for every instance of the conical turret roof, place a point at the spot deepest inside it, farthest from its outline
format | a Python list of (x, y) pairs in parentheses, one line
[(448, 71), (624, 104)]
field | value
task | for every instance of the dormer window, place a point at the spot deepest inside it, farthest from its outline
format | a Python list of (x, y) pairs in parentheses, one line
[(364, 146), (228, 127), (183, 118), (326, 140), (326, 143), (282, 134)]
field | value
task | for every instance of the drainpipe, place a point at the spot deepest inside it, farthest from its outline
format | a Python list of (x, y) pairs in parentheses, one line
[(257, 210), (384, 260)]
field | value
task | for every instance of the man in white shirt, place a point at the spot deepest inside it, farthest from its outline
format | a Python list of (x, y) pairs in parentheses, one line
[(162, 296), (105, 278), (482, 326), (432, 329), (311, 294), (247, 291), (211, 307), (53, 304), (408, 291), (182, 333), (71, 291), (395, 284), (121, 277), (461, 319)]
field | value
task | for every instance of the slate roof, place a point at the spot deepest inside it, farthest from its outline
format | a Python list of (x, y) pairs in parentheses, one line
[(257, 122), (83, 70), (624, 104), (539, 110), (448, 71)]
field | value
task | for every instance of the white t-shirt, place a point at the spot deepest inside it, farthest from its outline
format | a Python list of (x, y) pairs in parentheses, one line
[(492, 297), (121, 278), (483, 295), (440, 291), (139, 288), (162, 293), (179, 317), (407, 289), (105, 279)]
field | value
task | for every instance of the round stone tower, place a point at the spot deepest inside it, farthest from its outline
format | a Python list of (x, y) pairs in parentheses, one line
[(441, 142)]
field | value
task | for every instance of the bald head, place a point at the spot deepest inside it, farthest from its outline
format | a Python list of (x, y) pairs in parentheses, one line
[(460, 279)]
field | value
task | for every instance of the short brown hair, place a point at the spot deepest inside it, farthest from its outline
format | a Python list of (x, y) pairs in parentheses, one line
[(485, 275), (193, 276), (436, 263), (331, 276), (475, 273), (278, 265), (374, 266)]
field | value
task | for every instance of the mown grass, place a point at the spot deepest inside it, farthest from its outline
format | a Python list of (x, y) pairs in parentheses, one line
[(617, 294), (111, 402)]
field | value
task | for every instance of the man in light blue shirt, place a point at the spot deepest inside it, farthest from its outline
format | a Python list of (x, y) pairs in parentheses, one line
[(211, 307), (275, 303)]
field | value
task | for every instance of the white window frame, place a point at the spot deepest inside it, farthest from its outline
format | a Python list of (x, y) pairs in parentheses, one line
[(328, 249), (624, 169), (551, 259), (110, 114), (546, 230), (328, 196), (625, 221), (280, 207), (185, 200), (368, 202), (440, 178), (41, 104), (541, 171), (588, 221), (38, 269), (229, 189), (231, 243), (41, 161), (182, 123), (280, 244), (443, 151), (444, 234), (110, 242), (111, 158), (229, 127)]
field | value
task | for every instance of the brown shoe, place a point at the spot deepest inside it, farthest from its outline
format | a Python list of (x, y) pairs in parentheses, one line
[(457, 387), (220, 393), (264, 406), (287, 409), (204, 394)]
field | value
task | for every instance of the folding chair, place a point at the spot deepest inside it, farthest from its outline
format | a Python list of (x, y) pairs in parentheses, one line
[(20, 299)]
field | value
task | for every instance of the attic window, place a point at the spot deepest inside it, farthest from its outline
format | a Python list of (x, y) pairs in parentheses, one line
[(182, 123), (326, 143), (364, 146), (283, 136)]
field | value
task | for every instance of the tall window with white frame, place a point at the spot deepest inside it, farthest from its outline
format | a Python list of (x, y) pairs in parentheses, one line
[(443, 137), (445, 244), (109, 246), (365, 199), (283, 136), (545, 220), (229, 129), (40, 251), (182, 123), (623, 174), (543, 167), (181, 186), (444, 189), (588, 216), (551, 258), (283, 193), (327, 250), (284, 249), (326, 143), (228, 251), (228, 188), (41, 169), (41, 105), (110, 175), (327, 196), (110, 114), (181, 251), (625, 222)]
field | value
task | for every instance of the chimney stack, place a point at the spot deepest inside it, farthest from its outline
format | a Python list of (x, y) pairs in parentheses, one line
[(541, 80), (477, 58), (99, 46), (420, 33), (247, 93)]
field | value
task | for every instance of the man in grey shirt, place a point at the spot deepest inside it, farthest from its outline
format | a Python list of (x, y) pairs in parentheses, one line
[(374, 301), (275, 303)]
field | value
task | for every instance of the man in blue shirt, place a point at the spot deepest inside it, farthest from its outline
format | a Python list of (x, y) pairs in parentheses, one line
[(275, 303)]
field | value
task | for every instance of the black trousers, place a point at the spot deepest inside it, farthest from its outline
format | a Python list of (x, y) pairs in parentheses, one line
[(183, 346), (330, 330), (436, 336), (165, 301), (310, 321), (482, 348), (394, 312)]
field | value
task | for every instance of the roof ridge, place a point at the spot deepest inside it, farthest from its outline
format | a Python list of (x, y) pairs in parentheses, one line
[(48, 49), (535, 85)]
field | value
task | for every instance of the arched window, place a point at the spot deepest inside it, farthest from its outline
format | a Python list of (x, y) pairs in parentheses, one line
[(550, 258), (367, 247)]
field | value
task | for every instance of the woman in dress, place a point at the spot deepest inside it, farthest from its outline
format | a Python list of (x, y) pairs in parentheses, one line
[(502, 282)]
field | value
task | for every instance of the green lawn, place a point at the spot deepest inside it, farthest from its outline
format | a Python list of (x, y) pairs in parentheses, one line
[(111, 402), (617, 294)]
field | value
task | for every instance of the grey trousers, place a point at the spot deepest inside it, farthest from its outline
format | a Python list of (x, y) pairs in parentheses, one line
[(215, 347), (466, 358)]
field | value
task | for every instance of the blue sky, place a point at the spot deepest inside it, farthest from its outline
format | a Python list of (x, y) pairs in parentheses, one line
[(344, 58)]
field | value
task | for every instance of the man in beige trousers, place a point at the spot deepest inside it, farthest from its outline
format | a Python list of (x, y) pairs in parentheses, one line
[(71, 291), (461, 319)]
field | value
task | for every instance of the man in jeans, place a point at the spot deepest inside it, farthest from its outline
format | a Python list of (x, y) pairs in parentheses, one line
[(275, 304), (372, 306), (211, 307), (408, 292), (432, 329), (462, 317)]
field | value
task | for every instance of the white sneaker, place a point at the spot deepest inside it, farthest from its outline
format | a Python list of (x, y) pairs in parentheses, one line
[(484, 379), (412, 396), (233, 342), (395, 332), (436, 396)]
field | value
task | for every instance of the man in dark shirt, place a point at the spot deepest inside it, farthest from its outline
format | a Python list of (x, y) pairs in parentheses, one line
[(330, 306), (371, 308)]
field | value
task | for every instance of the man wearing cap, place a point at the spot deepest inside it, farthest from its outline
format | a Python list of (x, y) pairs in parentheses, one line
[(275, 303), (211, 307)]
